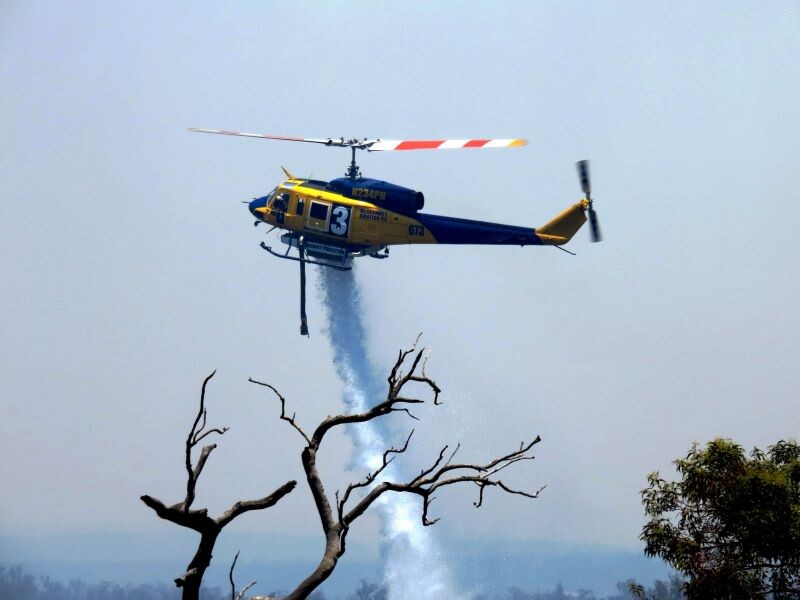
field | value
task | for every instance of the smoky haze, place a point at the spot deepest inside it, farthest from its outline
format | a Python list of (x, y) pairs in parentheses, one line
[(132, 270)]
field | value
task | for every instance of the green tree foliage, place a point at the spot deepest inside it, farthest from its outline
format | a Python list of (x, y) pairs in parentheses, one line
[(731, 524), (661, 590)]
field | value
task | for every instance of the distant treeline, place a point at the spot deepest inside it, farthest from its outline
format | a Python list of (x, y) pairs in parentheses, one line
[(661, 590), (16, 584)]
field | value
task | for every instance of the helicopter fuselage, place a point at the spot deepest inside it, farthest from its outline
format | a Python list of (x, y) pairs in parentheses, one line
[(366, 215)]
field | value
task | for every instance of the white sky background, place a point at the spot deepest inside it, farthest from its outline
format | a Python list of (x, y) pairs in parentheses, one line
[(131, 270)]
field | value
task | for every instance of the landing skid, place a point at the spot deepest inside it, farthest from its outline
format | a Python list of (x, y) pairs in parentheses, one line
[(306, 260)]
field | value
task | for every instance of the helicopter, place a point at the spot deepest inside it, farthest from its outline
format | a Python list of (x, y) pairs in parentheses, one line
[(330, 223)]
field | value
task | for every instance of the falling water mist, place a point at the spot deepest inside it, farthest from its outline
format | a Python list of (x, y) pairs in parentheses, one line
[(414, 565)]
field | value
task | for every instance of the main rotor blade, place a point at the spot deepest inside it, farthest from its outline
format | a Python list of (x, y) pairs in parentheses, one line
[(390, 145), (326, 141), (377, 145), (583, 175)]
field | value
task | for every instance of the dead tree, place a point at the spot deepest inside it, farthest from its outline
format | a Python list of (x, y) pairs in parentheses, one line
[(184, 515), (338, 516)]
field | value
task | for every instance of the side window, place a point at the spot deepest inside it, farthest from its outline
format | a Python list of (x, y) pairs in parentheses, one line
[(301, 204), (318, 216), (318, 211)]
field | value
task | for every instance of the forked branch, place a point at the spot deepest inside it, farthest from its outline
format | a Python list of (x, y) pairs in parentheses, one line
[(386, 460), (394, 401), (196, 434), (437, 477)]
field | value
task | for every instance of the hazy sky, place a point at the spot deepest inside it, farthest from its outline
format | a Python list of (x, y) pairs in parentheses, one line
[(131, 269)]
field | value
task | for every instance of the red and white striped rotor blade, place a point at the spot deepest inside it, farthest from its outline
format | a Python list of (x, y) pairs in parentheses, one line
[(325, 141), (390, 145)]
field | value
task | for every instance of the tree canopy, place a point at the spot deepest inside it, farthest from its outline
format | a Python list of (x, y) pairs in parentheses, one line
[(731, 524)]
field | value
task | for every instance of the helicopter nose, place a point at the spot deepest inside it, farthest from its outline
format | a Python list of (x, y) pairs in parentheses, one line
[(255, 204)]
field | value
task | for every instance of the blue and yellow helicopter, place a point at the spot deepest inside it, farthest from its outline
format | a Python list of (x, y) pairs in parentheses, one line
[(331, 222)]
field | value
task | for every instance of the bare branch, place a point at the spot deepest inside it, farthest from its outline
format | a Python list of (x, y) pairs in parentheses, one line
[(243, 506), (453, 455), (195, 435), (393, 398), (230, 575), (509, 463), (401, 357), (430, 469), (193, 519), (204, 414), (201, 462), (426, 502), (209, 432), (186, 577), (385, 462), (240, 595), (405, 410), (397, 381), (244, 590), (485, 483), (512, 456), (202, 410), (283, 417), (403, 400), (435, 477)]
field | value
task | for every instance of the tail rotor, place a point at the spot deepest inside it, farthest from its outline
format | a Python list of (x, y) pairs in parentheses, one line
[(586, 186)]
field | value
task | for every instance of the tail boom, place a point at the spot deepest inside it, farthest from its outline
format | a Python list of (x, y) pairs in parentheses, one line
[(452, 230)]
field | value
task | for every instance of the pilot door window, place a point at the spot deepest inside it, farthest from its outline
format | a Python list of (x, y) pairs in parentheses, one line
[(318, 214), (279, 207)]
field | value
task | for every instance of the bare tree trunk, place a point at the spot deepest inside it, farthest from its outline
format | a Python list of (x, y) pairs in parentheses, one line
[(324, 569), (193, 578)]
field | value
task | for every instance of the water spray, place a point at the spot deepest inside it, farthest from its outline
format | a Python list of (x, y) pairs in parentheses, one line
[(414, 566)]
